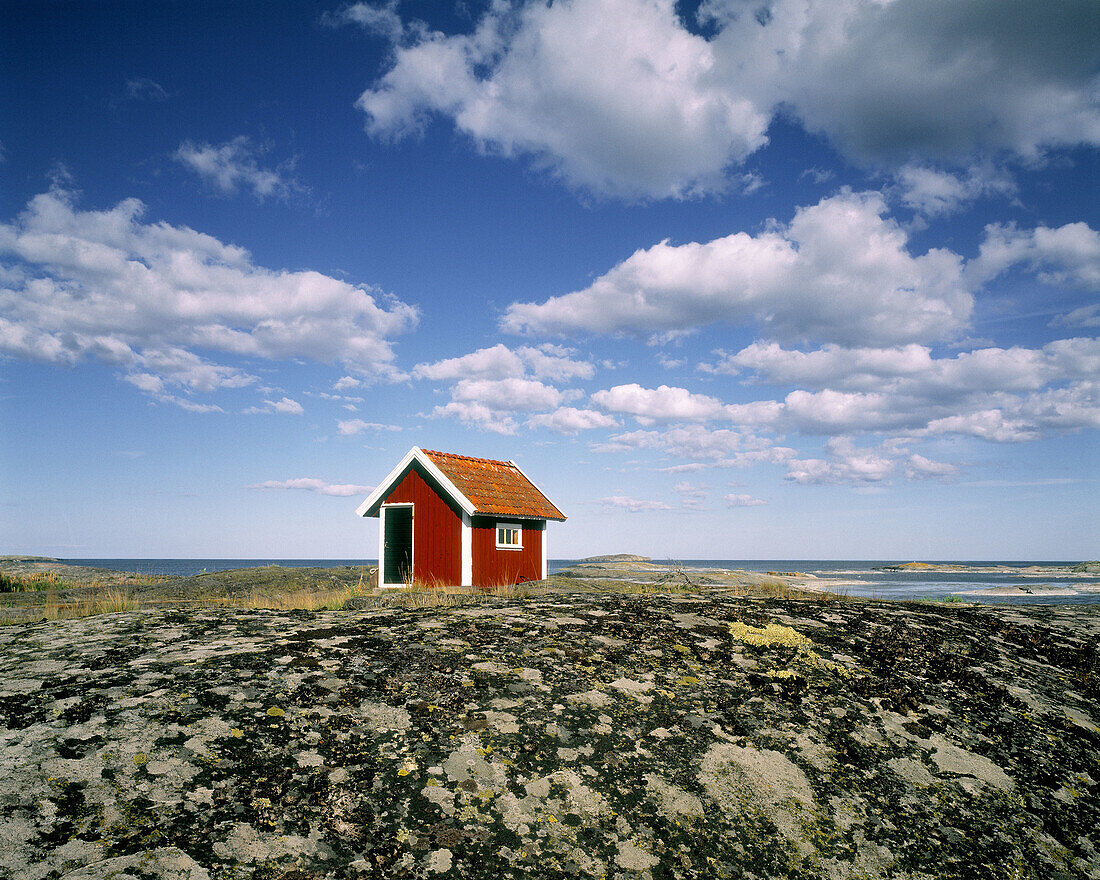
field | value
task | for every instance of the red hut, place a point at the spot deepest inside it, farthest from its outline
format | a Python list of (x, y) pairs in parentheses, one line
[(453, 519)]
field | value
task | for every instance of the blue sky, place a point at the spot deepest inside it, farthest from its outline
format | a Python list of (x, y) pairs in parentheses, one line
[(789, 279)]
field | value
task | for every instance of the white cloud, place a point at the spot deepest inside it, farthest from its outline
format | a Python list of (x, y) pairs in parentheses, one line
[(490, 384), (921, 78), (839, 272), (507, 395), (284, 406), (547, 361), (631, 505), (382, 20), (498, 362), (1068, 255), (555, 363), (346, 382), (478, 415), (912, 370), (855, 368), (234, 165), (849, 464), (1086, 316), (918, 467), (665, 403), (570, 420), (144, 89), (934, 192), (352, 427), (613, 96), (740, 500), (312, 484), (692, 496), (146, 296), (619, 98)]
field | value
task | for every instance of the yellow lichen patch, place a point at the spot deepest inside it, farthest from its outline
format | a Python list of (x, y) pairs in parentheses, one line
[(236, 732), (275, 712), (772, 634), (686, 681), (141, 758)]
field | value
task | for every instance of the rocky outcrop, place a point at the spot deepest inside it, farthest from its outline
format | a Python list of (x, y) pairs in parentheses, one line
[(616, 557), (566, 735)]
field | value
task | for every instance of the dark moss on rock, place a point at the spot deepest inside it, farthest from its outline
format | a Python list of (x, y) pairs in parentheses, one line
[(566, 735)]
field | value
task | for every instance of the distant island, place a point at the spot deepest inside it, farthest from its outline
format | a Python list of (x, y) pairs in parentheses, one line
[(617, 557)]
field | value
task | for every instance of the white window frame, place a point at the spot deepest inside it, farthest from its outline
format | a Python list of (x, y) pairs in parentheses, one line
[(519, 536)]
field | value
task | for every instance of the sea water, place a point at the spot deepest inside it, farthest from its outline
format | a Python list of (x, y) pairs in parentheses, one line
[(863, 578)]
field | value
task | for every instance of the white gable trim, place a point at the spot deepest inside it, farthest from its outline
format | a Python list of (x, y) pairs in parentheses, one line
[(374, 500), (536, 485)]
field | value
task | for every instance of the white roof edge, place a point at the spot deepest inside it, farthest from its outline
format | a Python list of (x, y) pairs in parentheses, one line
[(536, 485), (415, 454)]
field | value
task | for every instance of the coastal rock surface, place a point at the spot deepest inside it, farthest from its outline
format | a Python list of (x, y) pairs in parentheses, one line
[(567, 735)]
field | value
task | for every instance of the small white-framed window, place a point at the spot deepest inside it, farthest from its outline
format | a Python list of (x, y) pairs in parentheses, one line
[(509, 536)]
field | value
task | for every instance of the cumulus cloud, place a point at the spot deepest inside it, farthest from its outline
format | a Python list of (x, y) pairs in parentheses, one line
[(741, 500), (142, 88), (631, 505), (352, 427), (847, 463), (850, 464), (613, 96), (507, 395), (491, 384), (570, 420), (146, 297), (912, 370), (1068, 255), (382, 20), (998, 395), (546, 361), (665, 403), (285, 406), (840, 272), (692, 496), (935, 192), (477, 415), (312, 484), (234, 165), (703, 446), (618, 97)]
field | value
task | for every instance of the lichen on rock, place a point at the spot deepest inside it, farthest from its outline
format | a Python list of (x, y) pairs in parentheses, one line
[(573, 735)]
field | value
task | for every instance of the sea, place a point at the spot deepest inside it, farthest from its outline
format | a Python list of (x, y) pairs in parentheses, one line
[(861, 578)]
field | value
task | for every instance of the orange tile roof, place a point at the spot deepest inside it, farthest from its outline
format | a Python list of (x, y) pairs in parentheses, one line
[(494, 487)]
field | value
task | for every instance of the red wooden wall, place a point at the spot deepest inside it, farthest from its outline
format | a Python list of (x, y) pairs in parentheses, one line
[(493, 567), (437, 531)]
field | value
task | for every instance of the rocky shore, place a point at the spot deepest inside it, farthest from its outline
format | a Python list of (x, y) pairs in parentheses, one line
[(564, 735)]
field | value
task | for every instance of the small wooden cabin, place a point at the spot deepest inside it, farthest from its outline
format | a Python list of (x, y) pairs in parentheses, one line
[(453, 519)]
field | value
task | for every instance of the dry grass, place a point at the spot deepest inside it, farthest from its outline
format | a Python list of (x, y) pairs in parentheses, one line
[(54, 608), (26, 583), (300, 600)]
